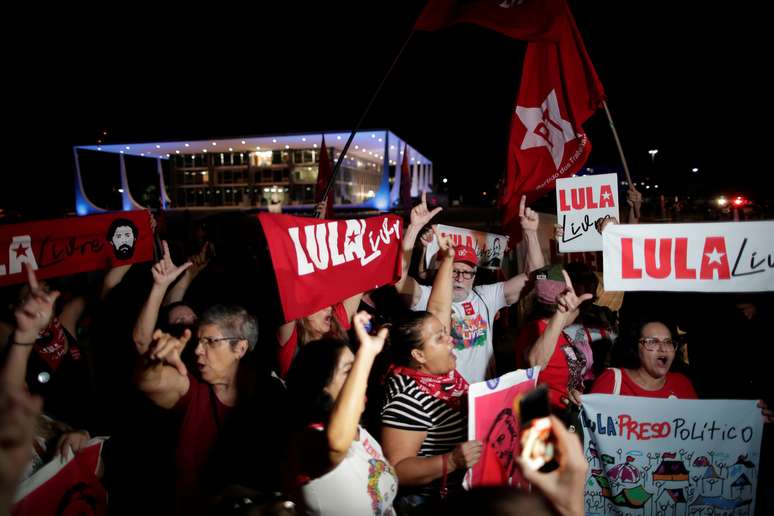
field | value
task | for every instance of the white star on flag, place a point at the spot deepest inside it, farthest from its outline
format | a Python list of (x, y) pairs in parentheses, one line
[(714, 256), (546, 128)]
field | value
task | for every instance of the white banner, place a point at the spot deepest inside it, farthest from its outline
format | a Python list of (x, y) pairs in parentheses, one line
[(489, 247), (650, 456), (712, 257), (580, 202)]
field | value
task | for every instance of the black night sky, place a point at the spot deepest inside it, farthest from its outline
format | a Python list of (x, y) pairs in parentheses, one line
[(687, 80)]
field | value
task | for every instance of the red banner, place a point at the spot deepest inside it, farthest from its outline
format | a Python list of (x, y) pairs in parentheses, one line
[(63, 247), (70, 487), (321, 262)]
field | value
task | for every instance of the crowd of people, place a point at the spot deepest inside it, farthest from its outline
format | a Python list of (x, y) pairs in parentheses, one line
[(214, 404)]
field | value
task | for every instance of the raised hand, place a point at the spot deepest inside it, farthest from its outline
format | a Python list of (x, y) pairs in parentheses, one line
[(372, 344), (200, 260), (527, 217), (445, 244), (167, 349), (420, 215), (568, 302), (164, 271), (564, 486), (35, 311), (633, 197), (426, 237)]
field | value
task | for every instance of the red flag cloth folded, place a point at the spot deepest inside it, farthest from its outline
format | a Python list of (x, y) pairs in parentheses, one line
[(63, 247), (321, 262), (324, 174), (71, 487), (559, 91), (529, 20)]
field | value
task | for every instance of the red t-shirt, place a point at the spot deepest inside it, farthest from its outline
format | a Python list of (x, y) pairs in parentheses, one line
[(677, 385), (197, 437), (556, 375), (286, 353)]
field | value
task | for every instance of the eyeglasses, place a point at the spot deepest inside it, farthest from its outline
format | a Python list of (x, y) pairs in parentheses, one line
[(210, 342), (653, 343), (464, 274)]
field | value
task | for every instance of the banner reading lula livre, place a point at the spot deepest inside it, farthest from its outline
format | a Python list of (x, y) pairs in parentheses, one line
[(79, 244), (712, 257), (493, 419), (490, 247), (580, 202), (670, 456), (321, 262)]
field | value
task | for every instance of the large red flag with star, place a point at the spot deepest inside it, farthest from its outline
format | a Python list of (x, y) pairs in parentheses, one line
[(559, 90)]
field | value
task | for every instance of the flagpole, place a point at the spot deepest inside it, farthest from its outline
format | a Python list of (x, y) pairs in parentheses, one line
[(620, 152), (362, 117)]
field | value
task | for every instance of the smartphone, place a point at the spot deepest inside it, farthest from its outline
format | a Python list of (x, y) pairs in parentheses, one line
[(538, 443)]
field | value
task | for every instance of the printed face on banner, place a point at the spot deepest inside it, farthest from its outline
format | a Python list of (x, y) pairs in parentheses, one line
[(62, 247), (490, 247), (713, 257), (122, 235), (580, 203), (493, 409), (670, 456)]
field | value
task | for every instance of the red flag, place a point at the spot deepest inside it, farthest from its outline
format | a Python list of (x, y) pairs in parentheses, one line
[(68, 246), (405, 182), (518, 19), (324, 174), (71, 487), (559, 91), (318, 263)]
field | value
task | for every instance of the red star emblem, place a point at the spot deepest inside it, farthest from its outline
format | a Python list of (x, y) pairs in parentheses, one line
[(21, 250)]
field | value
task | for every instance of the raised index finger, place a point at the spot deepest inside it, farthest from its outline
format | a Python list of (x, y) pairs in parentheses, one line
[(522, 205), (32, 280), (567, 281)]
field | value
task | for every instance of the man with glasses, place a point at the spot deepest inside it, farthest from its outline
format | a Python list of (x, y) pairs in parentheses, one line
[(473, 308)]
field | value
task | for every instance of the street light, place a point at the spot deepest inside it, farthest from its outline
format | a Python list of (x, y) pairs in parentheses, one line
[(694, 170), (653, 153)]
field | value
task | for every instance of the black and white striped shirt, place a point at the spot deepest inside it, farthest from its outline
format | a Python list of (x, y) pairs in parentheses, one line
[(407, 407)]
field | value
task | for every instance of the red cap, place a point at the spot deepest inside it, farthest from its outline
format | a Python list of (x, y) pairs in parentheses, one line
[(466, 254)]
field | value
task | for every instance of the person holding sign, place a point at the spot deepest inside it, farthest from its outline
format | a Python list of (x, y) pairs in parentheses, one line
[(424, 427), (337, 467), (474, 308)]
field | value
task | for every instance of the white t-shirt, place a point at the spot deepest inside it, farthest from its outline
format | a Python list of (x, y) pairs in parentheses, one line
[(363, 483), (471, 328)]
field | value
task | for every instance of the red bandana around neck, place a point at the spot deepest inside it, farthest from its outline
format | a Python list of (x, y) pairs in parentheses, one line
[(449, 388), (51, 346)]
